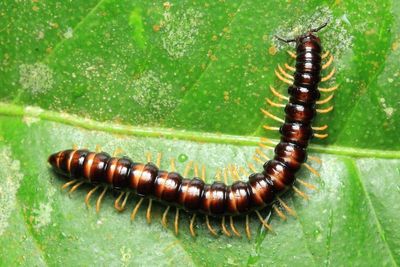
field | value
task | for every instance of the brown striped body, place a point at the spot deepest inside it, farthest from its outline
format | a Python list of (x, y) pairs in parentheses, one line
[(217, 199)]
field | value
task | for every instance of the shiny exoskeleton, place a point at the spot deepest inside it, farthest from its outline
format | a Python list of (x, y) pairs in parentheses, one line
[(217, 199)]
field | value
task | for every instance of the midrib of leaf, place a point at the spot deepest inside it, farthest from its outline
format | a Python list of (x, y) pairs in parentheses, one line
[(352, 165), (169, 133)]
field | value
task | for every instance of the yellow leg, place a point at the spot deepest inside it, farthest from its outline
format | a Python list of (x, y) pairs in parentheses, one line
[(279, 212), (326, 100), (321, 136), (318, 160), (243, 171), (225, 173), (277, 94), (308, 185), (252, 167), (135, 209), (266, 225), (218, 175), (262, 154), (187, 168), (75, 147), (192, 232), (326, 110), (282, 78), (148, 212), (325, 55), (176, 222), (117, 206), (69, 183), (270, 128), (75, 187), (329, 89), (97, 149), (172, 165), (258, 160), (118, 151), (223, 226), (300, 193), (212, 231), (248, 230), (158, 161), (284, 73), (272, 116), (148, 157), (311, 169), (275, 104), (292, 55), (203, 172), (164, 217), (89, 194), (98, 202), (265, 146), (234, 230), (320, 128), (328, 63), (287, 208), (327, 77), (289, 67)]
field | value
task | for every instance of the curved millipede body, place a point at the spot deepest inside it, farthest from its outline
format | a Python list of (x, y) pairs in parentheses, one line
[(218, 199)]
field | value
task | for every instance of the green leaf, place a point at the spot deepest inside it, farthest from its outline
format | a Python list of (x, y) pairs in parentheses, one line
[(187, 79)]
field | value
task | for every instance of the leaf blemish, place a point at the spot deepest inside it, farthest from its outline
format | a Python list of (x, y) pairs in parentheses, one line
[(37, 77), (10, 178)]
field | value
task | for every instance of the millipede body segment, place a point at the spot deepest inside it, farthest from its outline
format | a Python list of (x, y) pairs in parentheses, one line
[(217, 199)]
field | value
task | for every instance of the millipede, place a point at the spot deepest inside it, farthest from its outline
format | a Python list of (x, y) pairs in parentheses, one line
[(219, 199)]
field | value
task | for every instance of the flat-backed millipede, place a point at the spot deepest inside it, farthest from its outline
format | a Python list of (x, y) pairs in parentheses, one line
[(219, 199)]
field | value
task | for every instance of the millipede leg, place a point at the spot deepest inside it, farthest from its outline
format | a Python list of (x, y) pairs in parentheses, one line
[(116, 202), (271, 103), (277, 94), (284, 73), (279, 212), (203, 172), (192, 220), (75, 187), (311, 169), (287, 208), (69, 183), (196, 169), (135, 209), (148, 156), (258, 160), (289, 67), (148, 212), (187, 168), (265, 146), (243, 171), (75, 147), (223, 226), (234, 230), (320, 136), (300, 193), (326, 100), (98, 202), (164, 217), (248, 231), (266, 225), (176, 222), (218, 175), (326, 110), (270, 128), (212, 231), (89, 194), (327, 77), (158, 160), (272, 116), (292, 55), (328, 63), (98, 148), (251, 167), (172, 165), (320, 128), (325, 55), (316, 159), (329, 89), (282, 78), (304, 183), (118, 151), (262, 154), (225, 173)]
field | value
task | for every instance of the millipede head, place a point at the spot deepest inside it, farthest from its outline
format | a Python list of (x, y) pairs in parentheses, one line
[(309, 35)]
